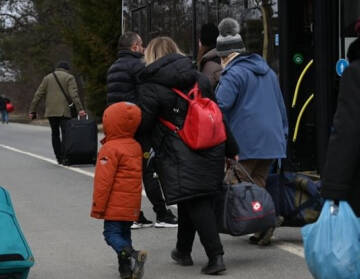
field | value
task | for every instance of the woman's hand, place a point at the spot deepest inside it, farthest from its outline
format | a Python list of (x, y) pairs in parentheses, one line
[(82, 113)]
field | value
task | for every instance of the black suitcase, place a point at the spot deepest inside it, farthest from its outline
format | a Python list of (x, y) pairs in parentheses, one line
[(80, 142)]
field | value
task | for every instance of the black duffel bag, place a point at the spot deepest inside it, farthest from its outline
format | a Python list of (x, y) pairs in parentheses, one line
[(242, 207)]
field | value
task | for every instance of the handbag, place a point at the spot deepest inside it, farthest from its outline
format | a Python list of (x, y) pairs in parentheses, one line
[(71, 105), (332, 244), (243, 207)]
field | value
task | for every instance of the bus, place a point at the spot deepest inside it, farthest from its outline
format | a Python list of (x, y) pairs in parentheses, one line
[(304, 41)]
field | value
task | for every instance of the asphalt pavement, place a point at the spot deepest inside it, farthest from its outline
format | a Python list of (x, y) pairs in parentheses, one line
[(53, 202)]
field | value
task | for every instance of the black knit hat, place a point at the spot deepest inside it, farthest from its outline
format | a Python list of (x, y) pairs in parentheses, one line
[(229, 39), (208, 34), (63, 65)]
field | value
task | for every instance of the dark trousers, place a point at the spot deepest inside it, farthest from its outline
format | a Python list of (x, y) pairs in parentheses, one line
[(151, 184), (197, 215), (57, 124)]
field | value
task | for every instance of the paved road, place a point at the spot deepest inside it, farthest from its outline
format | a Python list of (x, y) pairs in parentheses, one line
[(52, 203)]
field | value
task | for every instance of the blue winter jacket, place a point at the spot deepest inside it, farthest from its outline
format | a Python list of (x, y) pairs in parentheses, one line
[(250, 98)]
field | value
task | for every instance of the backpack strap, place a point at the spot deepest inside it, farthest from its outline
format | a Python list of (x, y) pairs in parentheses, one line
[(195, 91), (170, 125)]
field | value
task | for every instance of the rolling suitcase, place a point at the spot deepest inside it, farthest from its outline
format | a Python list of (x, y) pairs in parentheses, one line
[(16, 258), (80, 142)]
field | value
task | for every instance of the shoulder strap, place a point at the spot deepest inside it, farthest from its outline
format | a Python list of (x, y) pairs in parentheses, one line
[(195, 91), (244, 170), (68, 99)]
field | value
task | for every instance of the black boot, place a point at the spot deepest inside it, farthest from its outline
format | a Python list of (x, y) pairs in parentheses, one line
[(214, 266), (125, 265), (181, 258)]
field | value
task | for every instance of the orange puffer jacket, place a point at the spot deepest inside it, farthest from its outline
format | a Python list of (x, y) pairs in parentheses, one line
[(117, 183)]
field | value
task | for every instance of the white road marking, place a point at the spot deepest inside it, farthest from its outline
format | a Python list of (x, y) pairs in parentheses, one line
[(51, 161), (288, 247), (292, 248), (78, 170)]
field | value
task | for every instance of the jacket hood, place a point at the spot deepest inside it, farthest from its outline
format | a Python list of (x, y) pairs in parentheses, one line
[(173, 70), (211, 54), (121, 120), (252, 62)]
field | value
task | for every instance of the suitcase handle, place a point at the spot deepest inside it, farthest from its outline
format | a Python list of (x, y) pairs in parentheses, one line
[(11, 276), (11, 257), (86, 117)]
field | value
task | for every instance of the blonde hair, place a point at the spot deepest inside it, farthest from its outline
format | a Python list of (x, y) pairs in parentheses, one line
[(160, 47)]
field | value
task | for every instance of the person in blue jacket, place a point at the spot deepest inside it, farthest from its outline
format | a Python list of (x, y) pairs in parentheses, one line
[(250, 97)]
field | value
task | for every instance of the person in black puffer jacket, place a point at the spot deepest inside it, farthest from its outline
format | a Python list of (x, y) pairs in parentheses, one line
[(188, 178), (121, 83), (122, 87)]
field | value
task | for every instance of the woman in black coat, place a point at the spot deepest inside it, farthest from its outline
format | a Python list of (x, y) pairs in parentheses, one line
[(341, 175), (189, 178)]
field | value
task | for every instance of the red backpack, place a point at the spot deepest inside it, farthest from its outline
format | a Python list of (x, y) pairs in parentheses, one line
[(203, 126)]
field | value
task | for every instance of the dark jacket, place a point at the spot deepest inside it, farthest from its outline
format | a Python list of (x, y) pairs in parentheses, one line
[(341, 174), (56, 104), (183, 173), (210, 65), (121, 77), (3, 102)]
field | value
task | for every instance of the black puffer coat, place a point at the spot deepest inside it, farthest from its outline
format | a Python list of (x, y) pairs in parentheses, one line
[(183, 173), (121, 77), (341, 175)]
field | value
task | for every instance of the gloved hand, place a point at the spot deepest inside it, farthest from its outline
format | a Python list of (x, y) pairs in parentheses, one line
[(82, 113), (32, 115)]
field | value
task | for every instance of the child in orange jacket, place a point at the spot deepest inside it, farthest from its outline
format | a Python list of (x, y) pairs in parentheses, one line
[(117, 185)]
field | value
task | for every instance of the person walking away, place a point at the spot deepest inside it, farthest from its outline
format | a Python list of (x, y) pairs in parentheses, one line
[(341, 173), (209, 62), (117, 185), (4, 113), (189, 178), (122, 87), (56, 106), (251, 100)]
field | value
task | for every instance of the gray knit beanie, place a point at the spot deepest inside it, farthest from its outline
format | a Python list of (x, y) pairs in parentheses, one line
[(229, 39)]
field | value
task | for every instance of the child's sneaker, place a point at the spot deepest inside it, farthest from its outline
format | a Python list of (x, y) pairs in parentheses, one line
[(138, 259), (125, 265)]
